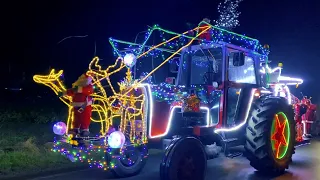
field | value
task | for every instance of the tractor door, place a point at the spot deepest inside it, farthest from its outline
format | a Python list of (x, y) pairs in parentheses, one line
[(241, 81), (202, 65)]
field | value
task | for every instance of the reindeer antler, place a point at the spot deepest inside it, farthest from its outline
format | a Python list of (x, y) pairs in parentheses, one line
[(114, 65), (48, 78), (94, 64), (96, 69)]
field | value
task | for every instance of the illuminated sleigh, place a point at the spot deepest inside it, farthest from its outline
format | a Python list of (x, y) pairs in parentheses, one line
[(111, 146), (123, 150)]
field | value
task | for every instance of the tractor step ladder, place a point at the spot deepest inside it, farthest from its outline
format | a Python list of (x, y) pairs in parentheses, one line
[(229, 143)]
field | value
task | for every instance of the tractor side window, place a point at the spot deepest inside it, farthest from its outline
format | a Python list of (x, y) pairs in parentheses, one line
[(214, 105), (232, 105), (244, 73)]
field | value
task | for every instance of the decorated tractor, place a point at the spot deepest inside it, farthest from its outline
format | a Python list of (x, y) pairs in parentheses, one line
[(198, 94)]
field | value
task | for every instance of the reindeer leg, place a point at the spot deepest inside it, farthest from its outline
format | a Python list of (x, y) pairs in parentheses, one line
[(133, 128)]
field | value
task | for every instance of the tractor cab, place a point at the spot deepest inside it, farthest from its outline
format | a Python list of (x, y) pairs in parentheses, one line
[(228, 74)]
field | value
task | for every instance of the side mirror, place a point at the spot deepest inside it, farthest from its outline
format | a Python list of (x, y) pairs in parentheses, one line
[(174, 65), (238, 59)]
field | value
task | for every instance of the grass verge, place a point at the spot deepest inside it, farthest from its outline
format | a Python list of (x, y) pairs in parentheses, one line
[(27, 149)]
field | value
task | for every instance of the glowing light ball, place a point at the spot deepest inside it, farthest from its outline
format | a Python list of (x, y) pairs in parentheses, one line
[(116, 139), (60, 128), (129, 60)]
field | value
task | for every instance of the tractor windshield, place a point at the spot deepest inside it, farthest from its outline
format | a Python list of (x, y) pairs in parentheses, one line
[(201, 67)]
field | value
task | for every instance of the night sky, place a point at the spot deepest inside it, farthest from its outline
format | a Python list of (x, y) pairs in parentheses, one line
[(32, 29)]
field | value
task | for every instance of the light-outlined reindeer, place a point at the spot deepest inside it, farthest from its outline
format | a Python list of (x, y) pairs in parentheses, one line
[(54, 82), (101, 104), (131, 106)]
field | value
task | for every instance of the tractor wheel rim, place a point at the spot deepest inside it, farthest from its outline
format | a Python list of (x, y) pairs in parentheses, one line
[(280, 135), (186, 168)]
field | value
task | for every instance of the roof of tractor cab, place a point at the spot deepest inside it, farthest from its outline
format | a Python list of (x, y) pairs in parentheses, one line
[(218, 36), (229, 37)]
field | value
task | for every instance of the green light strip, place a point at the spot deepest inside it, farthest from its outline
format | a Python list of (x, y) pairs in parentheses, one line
[(135, 44), (142, 46), (156, 27), (230, 32), (177, 34)]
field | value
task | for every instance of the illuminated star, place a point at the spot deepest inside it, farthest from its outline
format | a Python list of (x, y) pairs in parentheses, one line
[(279, 136)]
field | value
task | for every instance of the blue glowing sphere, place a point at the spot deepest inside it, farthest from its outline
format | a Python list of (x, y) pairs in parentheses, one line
[(59, 128), (129, 60)]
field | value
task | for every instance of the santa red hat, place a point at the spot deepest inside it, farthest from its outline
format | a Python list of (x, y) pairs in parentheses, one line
[(88, 76)]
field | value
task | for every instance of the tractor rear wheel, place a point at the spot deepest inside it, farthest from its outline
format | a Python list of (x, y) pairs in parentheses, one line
[(270, 135), (185, 159)]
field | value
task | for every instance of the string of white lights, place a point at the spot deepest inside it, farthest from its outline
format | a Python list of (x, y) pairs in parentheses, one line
[(229, 14)]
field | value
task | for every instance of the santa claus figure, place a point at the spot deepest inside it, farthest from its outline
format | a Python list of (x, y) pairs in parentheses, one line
[(299, 109), (309, 117), (81, 102), (202, 26)]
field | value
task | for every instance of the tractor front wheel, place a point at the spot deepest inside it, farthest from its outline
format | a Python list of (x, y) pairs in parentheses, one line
[(270, 135), (185, 159)]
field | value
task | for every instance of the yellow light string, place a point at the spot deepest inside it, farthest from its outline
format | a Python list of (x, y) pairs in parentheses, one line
[(102, 104), (123, 98), (165, 61), (126, 115), (52, 81), (165, 42), (168, 59), (104, 107), (105, 73)]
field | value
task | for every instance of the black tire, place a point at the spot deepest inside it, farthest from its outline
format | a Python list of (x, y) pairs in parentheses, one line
[(258, 135), (181, 152), (121, 169)]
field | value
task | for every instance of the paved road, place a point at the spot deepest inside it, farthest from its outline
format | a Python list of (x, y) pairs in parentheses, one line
[(305, 166)]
